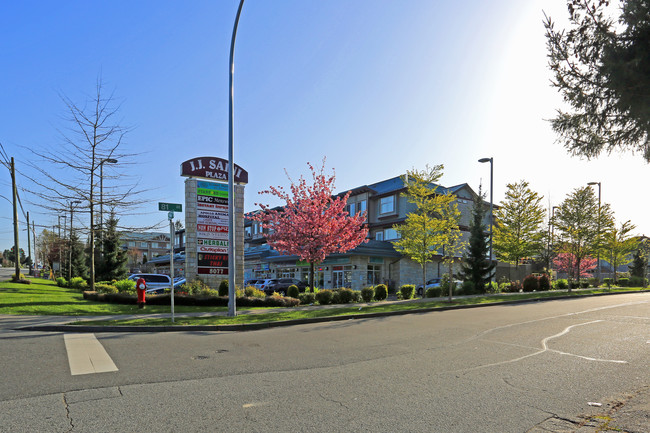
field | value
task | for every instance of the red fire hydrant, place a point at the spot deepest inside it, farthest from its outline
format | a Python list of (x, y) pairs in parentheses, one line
[(141, 286)]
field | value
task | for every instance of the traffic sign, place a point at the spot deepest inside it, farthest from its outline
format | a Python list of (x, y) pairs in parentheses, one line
[(173, 207)]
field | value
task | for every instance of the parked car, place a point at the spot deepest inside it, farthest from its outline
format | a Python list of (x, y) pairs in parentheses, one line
[(433, 282), (281, 285), (251, 282), (156, 283), (261, 284)]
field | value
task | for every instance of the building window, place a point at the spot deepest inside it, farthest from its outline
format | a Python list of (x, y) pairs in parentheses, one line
[(362, 206), (391, 234), (387, 204), (162, 245), (247, 231), (131, 244), (254, 229), (374, 274), (350, 209), (143, 245), (379, 236)]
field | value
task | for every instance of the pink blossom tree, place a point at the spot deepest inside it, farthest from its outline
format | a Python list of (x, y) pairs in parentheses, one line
[(566, 262), (313, 223)]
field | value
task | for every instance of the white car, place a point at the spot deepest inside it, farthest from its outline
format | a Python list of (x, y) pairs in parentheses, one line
[(261, 284), (156, 283)]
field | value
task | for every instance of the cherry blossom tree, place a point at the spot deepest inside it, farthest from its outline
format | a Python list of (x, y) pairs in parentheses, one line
[(566, 262), (313, 223)]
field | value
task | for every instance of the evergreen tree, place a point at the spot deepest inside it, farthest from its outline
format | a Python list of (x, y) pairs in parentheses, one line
[(79, 259), (112, 265), (601, 65), (477, 267), (640, 260)]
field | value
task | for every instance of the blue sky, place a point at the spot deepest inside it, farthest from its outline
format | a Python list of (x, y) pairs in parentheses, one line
[(377, 87)]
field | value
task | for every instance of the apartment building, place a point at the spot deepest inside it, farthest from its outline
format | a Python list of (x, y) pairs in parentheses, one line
[(370, 263)]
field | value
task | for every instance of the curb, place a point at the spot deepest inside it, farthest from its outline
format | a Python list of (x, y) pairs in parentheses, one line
[(281, 323)]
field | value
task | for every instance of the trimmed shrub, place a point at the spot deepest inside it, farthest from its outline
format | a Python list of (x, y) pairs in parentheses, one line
[(254, 292), (594, 282), (346, 296), (368, 293), (608, 282), (467, 288), (407, 291), (434, 292), (195, 287), (531, 284), (561, 284), (20, 279), (356, 297), (307, 298), (125, 286), (544, 283), (61, 282), (492, 287), (105, 288), (573, 284), (514, 287), (336, 297), (637, 281), (584, 284), (223, 288), (293, 291), (624, 282), (381, 292), (78, 283), (324, 297)]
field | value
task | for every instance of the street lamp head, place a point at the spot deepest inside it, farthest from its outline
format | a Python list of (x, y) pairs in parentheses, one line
[(110, 160), (485, 160), (593, 183)]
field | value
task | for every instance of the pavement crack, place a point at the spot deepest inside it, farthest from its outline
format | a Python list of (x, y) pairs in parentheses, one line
[(332, 400), (67, 412)]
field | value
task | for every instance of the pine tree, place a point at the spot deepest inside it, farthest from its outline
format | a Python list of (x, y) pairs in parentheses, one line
[(112, 265), (79, 258), (477, 267), (640, 261)]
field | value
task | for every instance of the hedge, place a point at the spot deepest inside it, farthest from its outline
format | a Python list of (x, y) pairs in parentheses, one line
[(191, 300)]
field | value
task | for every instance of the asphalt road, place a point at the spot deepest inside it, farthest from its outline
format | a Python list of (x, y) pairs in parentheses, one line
[(492, 369)]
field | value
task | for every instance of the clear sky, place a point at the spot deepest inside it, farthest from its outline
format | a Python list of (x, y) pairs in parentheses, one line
[(376, 86)]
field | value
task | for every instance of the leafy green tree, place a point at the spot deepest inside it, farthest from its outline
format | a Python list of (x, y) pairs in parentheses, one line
[(477, 267), (576, 222), (453, 244), (428, 228), (602, 70), (518, 231), (619, 243), (112, 264)]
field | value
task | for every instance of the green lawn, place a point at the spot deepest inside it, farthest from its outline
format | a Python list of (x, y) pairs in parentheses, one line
[(345, 311), (44, 297)]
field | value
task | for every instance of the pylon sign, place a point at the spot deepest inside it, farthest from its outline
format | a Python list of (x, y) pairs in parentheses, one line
[(212, 227)]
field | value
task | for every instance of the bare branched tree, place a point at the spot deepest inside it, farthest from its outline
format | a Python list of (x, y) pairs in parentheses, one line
[(72, 175)]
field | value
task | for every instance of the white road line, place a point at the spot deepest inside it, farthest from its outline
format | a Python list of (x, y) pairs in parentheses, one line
[(86, 355)]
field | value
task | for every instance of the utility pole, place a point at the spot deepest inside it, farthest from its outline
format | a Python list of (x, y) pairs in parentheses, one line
[(15, 193), (29, 246), (34, 237)]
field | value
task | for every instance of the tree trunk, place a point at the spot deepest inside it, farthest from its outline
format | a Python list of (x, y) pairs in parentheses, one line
[(451, 281), (311, 276), (424, 280)]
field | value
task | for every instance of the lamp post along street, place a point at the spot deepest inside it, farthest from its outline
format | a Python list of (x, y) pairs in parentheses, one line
[(170, 208), (15, 209), (491, 161), (598, 235), (232, 308)]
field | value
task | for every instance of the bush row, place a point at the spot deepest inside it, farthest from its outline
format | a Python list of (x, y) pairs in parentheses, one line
[(192, 300)]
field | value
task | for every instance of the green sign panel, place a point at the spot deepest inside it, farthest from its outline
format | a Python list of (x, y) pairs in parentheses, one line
[(170, 207)]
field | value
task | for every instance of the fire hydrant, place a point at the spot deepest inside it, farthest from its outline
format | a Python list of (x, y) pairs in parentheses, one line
[(141, 286)]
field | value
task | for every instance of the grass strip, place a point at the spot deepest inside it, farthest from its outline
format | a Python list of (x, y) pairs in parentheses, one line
[(317, 312)]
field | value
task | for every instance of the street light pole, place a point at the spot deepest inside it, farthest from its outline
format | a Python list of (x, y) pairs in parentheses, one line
[(101, 200), (491, 161), (232, 308), (598, 252)]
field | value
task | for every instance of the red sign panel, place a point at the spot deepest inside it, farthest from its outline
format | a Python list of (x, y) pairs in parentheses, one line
[(210, 167)]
